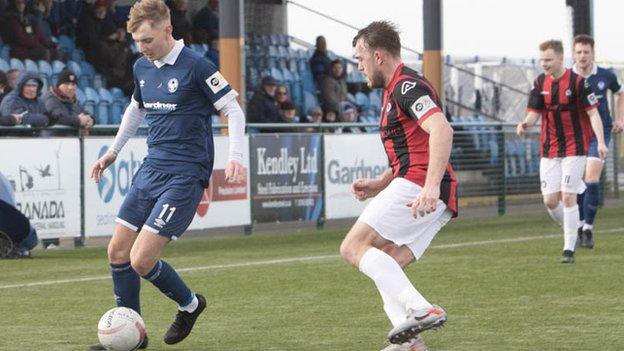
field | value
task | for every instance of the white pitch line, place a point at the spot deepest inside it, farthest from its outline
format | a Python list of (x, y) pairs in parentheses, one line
[(297, 259)]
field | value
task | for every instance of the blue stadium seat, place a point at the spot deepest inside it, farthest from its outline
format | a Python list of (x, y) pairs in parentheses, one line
[(283, 52), (45, 69), (375, 99), (80, 95), (66, 44), (309, 100), (91, 105), (273, 51), (307, 81), (5, 52), (277, 75), (17, 64), (362, 100), (117, 94), (31, 66), (77, 55), (57, 67), (105, 105), (4, 66), (99, 81)]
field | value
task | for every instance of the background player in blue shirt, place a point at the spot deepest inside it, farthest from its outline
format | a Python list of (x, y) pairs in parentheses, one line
[(601, 80), (176, 91)]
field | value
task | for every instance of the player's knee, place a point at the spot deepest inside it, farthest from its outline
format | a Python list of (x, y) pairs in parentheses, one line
[(118, 254), (142, 264), (569, 200), (347, 251), (551, 203), (401, 255)]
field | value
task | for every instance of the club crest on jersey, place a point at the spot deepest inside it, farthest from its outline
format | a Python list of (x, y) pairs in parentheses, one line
[(601, 85), (388, 107), (422, 106), (216, 82), (172, 85), (407, 86), (568, 92)]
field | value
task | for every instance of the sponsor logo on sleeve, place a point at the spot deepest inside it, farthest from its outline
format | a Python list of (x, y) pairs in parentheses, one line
[(592, 99), (216, 82), (422, 106), (407, 86)]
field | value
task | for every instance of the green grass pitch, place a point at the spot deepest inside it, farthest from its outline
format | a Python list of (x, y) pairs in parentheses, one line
[(499, 279)]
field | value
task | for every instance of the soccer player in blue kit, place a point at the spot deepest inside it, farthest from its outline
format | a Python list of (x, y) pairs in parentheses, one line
[(601, 80), (176, 91)]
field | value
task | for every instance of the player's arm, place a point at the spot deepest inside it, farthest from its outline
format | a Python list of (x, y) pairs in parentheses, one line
[(234, 170), (618, 96), (364, 188), (529, 121), (130, 123), (535, 106), (596, 123)]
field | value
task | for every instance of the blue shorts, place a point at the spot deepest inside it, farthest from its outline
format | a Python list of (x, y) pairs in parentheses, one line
[(593, 143), (161, 203)]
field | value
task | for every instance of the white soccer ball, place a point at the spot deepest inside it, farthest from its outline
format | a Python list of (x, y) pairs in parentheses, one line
[(121, 329)]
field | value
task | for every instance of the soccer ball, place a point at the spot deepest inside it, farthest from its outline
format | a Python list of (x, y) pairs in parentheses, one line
[(121, 329)]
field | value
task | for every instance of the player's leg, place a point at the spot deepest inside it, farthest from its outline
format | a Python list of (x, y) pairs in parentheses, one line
[(572, 169), (550, 178), (169, 218), (593, 171)]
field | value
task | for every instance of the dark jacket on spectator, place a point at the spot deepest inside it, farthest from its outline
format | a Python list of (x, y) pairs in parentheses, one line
[(333, 91), (16, 103), (206, 23), (263, 108), (89, 31), (319, 65), (27, 40), (63, 109)]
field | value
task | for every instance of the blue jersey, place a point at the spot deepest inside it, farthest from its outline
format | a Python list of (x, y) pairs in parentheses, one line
[(180, 93), (601, 79)]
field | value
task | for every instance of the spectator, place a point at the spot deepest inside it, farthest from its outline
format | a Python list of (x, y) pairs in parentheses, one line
[(180, 23), (263, 107), (320, 62), (348, 114), (213, 52), (26, 38), (41, 13), (22, 105), (14, 224), (333, 90), (62, 105), (314, 115), (12, 76), (114, 58), (90, 27), (4, 85), (288, 112), (206, 23)]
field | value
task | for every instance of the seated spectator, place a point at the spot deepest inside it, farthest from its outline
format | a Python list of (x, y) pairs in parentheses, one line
[(22, 106), (348, 114), (13, 224), (320, 62), (62, 105), (206, 23), (90, 26), (333, 90), (4, 85), (26, 39), (12, 76), (263, 107), (114, 59), (180, 23), (314, 115), (288, 112), (41, 12)]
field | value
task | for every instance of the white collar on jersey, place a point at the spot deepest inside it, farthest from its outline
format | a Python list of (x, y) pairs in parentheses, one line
[(593, 71), (172, 56)]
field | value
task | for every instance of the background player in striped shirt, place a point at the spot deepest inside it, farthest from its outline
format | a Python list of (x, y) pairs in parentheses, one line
[(601, 81), (568, 108), (413, 199)]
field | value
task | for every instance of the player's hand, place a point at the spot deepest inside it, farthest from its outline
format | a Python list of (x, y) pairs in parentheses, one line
[(426, 202), (364, 188), (17, 118), (235, 172), (521, 129), (101, 164), (602, 151), (618, 125)]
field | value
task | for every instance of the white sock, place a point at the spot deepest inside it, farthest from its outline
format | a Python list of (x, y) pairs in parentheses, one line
[(556, 213), (190, 308), (395, 312), (570, 227), (588, 226), (582, 221), (390, 278)]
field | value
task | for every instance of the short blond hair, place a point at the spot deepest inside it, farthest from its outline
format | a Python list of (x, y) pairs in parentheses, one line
[(154, 11), (555, 45)]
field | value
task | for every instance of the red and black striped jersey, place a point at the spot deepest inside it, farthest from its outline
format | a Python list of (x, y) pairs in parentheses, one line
[(408, 100), (563, 104)]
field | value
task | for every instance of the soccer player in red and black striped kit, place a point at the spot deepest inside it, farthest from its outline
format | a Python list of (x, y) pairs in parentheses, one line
[(568, 108), (414, 198)]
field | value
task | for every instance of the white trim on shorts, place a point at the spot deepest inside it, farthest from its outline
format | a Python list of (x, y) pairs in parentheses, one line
[(126, 224), (150, 229), (389, 215)]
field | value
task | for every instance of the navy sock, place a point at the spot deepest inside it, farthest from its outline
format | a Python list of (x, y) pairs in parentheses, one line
[(126, 286), (590, 204), (580, 198), (167, 280)]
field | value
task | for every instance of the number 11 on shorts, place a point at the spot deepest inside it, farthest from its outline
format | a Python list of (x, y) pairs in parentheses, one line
[(164, 211)]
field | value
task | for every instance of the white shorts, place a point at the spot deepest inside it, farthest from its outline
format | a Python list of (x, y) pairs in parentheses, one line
[(562, 174), (389, 215)]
